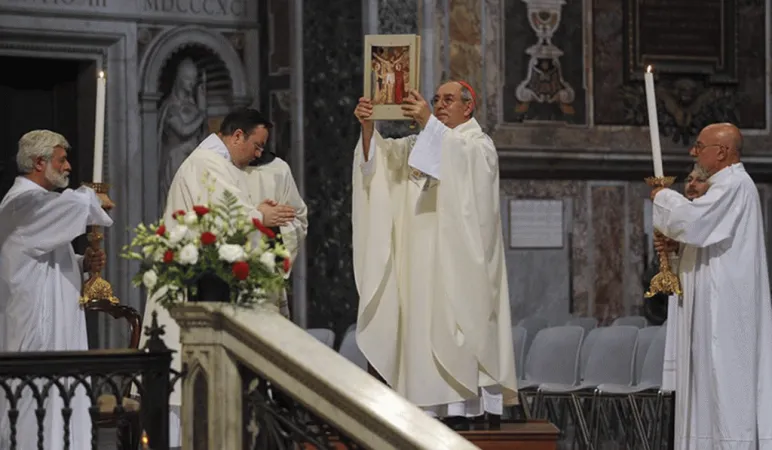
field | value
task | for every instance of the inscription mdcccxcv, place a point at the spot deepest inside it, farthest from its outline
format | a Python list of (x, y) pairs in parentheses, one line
[(197, 7)]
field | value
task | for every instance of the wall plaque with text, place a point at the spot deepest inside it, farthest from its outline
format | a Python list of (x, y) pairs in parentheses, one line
[(682, 36), (536, 224)]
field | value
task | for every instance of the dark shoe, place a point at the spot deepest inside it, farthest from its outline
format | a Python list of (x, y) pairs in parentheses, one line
[(457, 423)]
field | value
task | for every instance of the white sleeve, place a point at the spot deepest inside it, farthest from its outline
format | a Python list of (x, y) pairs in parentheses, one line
[(427, 152), (368, 167)]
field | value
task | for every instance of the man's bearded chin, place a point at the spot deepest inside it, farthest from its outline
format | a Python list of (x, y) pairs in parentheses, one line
[(59, 179)]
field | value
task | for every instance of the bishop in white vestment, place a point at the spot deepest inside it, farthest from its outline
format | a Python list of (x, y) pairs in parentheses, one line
[(40, 282), (221, 158), (434, 314), (724, 362)]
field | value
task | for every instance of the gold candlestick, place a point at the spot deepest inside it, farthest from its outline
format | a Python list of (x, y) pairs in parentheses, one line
[(665, 281), (96, 287)]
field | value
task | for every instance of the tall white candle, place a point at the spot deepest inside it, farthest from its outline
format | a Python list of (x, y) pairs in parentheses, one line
[(99, 128), (651, 104)]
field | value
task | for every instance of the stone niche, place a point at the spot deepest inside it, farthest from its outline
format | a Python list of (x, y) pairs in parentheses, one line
[(140, 45)]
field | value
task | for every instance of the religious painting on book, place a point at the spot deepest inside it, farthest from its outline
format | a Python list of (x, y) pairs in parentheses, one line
[(391, 71)]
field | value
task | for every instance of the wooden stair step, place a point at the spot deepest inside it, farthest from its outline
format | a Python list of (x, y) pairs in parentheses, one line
[(532, 435)]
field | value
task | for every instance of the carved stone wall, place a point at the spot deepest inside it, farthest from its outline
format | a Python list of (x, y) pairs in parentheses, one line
[(332, 51)]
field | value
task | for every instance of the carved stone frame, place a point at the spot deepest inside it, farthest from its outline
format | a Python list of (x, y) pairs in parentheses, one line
[(113, 46)]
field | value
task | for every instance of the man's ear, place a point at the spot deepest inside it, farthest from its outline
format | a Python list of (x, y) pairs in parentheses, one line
[(40, 164)]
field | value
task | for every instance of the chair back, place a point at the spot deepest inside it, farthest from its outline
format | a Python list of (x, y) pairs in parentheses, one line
[(611, 356), (554, 355), (118, 311)]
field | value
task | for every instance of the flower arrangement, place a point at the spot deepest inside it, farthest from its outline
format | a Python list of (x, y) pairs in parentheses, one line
[(213, 240)]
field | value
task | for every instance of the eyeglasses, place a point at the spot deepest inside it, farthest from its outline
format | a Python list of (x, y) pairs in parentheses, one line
[(699, 146)]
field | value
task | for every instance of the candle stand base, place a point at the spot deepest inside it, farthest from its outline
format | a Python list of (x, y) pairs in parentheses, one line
[(665, 281), (96, 287)]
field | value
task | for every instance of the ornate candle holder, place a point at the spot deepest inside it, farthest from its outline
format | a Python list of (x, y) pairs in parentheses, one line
[(96, 287), (665, 281)]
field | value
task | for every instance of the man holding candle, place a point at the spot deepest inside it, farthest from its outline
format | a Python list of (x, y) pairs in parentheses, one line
[(724, 346), (41, 279)]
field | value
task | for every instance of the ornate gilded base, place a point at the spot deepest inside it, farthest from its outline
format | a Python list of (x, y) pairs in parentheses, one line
[(664, 282), (97, 288)]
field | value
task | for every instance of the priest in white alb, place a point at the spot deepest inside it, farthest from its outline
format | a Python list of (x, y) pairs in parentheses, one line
[(434, 315), (218, 162), (724, 345), (270, 178), (41, 279), (695, 185)]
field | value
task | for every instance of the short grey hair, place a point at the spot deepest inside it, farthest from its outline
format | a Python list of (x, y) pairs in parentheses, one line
[(38, 144), (700, 171), (466, 96)]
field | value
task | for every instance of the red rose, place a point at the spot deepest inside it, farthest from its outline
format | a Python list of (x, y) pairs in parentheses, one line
[(208, 238), (200, 210), (161, 230), (240, 270), (178, 214), (168, 256), (263, 229), (287, 264)]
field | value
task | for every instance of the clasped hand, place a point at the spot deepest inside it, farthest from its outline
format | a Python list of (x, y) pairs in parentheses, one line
[(276, 215), (664, 244), (94, 260)]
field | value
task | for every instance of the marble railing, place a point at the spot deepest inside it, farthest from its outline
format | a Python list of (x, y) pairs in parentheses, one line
[(256, 380)]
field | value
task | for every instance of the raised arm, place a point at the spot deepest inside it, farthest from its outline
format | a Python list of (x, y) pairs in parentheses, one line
[(705, 221), (48, 220)]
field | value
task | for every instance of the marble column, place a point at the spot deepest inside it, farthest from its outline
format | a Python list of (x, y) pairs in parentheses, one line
[(299, 289)]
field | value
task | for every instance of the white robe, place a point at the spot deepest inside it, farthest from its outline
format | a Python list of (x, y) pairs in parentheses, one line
[(671, 339), (188, 189), (274, 181), (434, 315), (724, 365), (40, 285)]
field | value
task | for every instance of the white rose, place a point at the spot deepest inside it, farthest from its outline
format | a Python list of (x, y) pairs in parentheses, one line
[(231, 253), (268, 259), (190, 218), (177, 233), (188, 255), (149, 279)]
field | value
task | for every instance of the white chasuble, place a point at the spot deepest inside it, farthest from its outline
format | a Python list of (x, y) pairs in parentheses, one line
[(724, 342), (40, 285), (434, 315), (210, 161)]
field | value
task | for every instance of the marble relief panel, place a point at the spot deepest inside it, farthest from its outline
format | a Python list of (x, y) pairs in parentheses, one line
[(543, 75), (607, 243), (618, 102), (465, 41), (608, 250)]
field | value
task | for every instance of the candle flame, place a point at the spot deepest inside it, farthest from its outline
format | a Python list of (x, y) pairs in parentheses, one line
[(101, 74), (145, 440), (648, 69)]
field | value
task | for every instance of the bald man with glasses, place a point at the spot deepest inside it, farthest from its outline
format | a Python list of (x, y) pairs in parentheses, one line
[(724, 345)]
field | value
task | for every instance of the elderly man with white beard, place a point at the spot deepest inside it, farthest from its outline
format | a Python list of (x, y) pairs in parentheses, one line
[(41, 279), (434, 316)]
